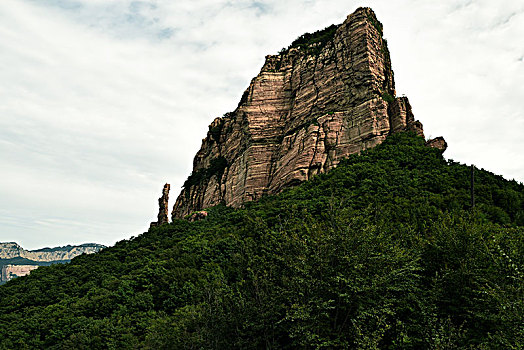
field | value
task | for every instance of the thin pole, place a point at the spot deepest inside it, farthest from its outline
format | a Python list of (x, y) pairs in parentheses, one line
[(472, 188)]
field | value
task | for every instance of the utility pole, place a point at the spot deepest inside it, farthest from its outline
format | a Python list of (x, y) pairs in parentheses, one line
[(472, 188)]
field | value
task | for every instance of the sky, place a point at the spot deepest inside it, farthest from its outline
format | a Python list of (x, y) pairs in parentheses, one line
[(104, 101)]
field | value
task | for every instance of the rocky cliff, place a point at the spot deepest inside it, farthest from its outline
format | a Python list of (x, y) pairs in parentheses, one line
[(163, 207), (328, 95), (11, 250)]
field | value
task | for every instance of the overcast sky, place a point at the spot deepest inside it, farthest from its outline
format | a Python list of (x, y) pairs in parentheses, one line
[(102, 102)]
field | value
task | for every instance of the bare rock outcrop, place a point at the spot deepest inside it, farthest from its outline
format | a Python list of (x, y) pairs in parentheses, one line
[(438, 143), (402, 118), (163, 207), (312, 105)]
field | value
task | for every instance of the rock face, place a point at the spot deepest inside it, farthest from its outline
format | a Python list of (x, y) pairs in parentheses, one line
[(163, 207), (329, 95), (438, 143)]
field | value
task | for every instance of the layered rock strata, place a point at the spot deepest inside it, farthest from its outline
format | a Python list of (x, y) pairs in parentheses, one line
[(438, 143), (310, 106)]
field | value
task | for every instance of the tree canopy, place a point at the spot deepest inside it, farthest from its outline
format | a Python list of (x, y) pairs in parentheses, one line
[(383, 252)]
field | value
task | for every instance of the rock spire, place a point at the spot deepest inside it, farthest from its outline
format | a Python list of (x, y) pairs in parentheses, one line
[(163, 207)]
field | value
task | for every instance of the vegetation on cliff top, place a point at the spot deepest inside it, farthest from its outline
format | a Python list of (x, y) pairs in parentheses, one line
[(312, 43), (381, 252), (217, 167)]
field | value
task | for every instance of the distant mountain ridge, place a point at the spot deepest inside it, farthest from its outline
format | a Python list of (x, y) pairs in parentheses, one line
[(15, 261), (12, 250)]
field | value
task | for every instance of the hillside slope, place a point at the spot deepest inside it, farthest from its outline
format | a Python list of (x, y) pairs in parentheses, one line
[(381, 252)]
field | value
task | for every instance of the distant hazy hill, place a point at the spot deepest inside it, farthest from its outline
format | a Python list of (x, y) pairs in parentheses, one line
[(12, 256), (11, 250)]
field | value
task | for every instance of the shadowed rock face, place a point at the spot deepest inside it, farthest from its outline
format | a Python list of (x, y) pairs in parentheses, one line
[(308, 108), (163, 207)]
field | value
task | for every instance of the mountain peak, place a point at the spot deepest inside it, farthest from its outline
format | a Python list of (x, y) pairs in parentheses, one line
[(329, 94)]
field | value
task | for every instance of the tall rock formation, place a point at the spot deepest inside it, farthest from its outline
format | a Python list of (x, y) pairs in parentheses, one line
[(163, 207), (329, 95)]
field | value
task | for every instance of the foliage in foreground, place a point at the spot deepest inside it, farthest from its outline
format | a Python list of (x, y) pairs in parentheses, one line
[(382, 252)]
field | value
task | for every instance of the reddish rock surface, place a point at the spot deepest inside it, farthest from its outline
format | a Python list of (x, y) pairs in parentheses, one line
[(438, 142), (402, 118), (308, 108)]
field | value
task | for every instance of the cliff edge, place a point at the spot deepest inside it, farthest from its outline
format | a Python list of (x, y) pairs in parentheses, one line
[(329, 95)]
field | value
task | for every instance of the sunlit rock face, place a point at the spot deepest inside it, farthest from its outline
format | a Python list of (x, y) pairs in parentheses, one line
[(309, 107)]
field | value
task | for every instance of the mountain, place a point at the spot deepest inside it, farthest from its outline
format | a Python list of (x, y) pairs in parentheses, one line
[(387, 250), (15, 261), (383, 251), (328, 95)]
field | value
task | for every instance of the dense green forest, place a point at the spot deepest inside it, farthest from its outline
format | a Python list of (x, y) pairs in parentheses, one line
[(383, 252)]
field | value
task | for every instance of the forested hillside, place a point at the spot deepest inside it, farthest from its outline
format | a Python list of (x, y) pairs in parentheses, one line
[(382, 252)]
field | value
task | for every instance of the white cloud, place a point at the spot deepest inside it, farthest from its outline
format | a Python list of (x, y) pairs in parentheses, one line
[(101, 102), (460, 68)]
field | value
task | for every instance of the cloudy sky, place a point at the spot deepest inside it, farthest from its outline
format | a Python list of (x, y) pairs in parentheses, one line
[(102, 102)]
